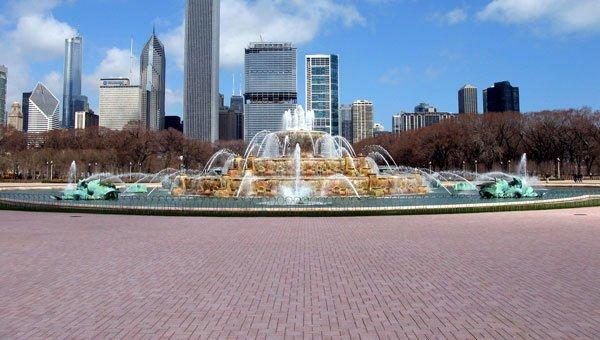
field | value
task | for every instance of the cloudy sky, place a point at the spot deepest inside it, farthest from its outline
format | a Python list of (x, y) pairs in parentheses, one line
[(396, 53)]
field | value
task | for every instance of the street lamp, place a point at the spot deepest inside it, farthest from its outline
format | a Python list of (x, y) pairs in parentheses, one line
[(501, 166), (51, 164), (95, 167), (140, 165), (558, 168), (89, 169), (508, 167), (476, 170), (181, 166), (464, 166), (430, 167)]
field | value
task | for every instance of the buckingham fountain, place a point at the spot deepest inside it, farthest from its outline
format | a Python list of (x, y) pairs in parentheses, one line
[(300, 170), (297, 163)]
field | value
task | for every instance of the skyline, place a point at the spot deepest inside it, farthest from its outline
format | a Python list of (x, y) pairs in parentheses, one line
[(395, 54)]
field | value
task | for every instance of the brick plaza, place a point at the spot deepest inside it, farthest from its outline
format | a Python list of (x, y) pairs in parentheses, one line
[(505, 275)]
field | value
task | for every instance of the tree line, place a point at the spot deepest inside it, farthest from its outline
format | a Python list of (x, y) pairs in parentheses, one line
[(569, 139), (100, 150), (565, 139)]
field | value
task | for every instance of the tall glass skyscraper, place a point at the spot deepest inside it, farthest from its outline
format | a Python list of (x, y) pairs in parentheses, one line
[(322, 92), (201, 70), (3, 80), (152, 77), (503, 97), (271, 86), (72, 98)]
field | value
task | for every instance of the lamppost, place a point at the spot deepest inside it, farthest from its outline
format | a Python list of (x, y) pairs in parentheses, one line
[(508, 166), (558, 168), (501, 166), (140, 165), (89, 169), (476, 170), (182, 165), (96, 168), (130, 168), (430, 169), (50, 164), (464, 167)]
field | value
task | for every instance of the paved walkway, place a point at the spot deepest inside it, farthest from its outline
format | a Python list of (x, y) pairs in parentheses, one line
[(528, 275)]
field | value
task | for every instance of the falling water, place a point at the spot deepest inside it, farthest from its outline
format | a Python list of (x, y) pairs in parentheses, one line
[(72, 176), (522, 169)]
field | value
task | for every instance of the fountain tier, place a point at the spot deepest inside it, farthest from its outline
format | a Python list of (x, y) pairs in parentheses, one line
[(292, 158)]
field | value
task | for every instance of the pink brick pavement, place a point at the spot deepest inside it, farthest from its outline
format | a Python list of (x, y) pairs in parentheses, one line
[(525, 274)]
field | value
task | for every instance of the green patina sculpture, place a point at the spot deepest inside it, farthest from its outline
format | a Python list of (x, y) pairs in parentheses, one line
[(137, 188), (464, 186), (501, 188), (91, 190)]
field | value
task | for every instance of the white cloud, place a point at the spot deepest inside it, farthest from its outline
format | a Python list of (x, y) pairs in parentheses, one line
[(243, 21), (456, 16), (40, 37), (115, 64), (54, 82), (564, 16), (31, 36), (452, 17), (395, 75)]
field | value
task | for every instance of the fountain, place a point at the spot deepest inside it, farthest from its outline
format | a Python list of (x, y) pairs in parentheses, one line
[(319, 164), (501, 188)]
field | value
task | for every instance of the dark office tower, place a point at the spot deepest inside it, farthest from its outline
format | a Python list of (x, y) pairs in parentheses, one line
[(467, 99), (173, 122), (152, 81), (501, 98), (236, 103), (72, 81), (25, 110), (201, 70)]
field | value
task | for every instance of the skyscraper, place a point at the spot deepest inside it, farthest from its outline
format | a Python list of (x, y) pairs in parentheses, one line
[(201, 70), (362, 120), (346, 116), (503, 97), (25, 109), (467, 99), (72, 98), (271, 88), (322, 92), (152, 82), (236, 103), (3, 80), (119, 103), (43, 110)]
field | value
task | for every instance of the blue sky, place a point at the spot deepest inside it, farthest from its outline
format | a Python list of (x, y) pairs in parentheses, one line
[(395, 53)]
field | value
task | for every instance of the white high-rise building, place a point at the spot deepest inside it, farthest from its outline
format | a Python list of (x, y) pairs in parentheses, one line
[(119, 103), (271, 88), (43, 110), (467, 99), (362, 120), (322, 92)]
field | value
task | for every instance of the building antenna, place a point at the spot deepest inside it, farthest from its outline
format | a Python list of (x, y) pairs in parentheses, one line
[(233, 86), (240, 85), (261, 38)]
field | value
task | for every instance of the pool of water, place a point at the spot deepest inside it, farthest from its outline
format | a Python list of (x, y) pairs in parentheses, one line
[(162, 199)]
